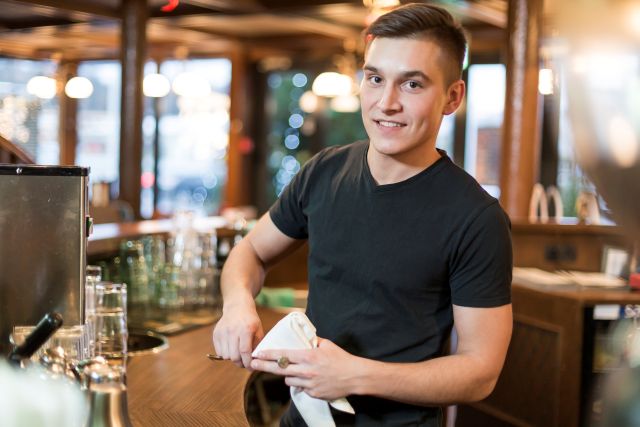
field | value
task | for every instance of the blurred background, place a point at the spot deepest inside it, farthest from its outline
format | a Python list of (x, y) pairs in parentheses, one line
[(229, 108), (212, 106)]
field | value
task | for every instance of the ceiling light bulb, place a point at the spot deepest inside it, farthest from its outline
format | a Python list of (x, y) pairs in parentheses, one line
[(78, 87), (155, 85), (308, 102), (191, 84), (345, 104), (545, 81), (332, 84), (42, 87)]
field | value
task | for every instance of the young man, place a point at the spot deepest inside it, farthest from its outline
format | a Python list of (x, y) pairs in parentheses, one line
[(402, 245)]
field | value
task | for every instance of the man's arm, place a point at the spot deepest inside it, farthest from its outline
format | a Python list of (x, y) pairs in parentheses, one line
[(466, 376), (470, 374), (239, 329)]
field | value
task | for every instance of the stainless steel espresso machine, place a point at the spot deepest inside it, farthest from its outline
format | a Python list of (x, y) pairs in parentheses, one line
[(44, 226)]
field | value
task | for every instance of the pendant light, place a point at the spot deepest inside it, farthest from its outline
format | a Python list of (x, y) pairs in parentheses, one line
[(78, 87), (42, 87)]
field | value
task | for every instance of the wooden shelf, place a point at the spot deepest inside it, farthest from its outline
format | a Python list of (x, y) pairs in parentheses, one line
[(568, 226), (105, 238)]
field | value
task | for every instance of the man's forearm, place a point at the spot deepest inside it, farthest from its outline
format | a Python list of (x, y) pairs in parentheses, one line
[(242, 276), (445, 380), (466, 376)]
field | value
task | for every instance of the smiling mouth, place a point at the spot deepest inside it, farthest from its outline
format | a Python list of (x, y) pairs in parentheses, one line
[(388, 124)]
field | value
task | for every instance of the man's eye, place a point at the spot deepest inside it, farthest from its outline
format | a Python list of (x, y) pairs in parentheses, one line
[(375, 79), (414, 85)]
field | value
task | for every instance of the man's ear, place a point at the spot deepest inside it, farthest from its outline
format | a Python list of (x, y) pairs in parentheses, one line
[(455, 94)]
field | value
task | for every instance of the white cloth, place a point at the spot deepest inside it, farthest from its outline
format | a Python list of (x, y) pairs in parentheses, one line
[(296, 332)]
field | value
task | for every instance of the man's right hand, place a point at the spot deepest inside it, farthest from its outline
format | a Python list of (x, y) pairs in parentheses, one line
[(239, 330), (237, 333)]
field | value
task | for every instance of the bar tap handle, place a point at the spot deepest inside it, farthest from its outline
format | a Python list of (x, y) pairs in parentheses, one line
[(538, 210), (553, 196), (47, 326)]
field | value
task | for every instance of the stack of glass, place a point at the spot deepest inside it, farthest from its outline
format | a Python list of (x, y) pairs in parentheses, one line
[(169, 275), (178, 272)]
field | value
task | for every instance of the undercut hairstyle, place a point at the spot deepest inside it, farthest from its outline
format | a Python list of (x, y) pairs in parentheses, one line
[(426, 22)]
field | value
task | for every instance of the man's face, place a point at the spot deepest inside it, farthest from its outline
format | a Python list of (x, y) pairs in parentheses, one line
[(404, 95)]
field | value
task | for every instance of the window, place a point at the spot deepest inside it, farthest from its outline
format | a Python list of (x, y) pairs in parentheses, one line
[(98, 121), (193, 137), (26, 120), (445, 138), (570, 178), (485, 113)]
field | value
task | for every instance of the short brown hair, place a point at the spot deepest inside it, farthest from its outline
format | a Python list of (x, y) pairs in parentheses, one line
[(424, 21)]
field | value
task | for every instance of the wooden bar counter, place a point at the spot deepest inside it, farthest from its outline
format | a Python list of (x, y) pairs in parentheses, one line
[(180, 386), (548, 374)]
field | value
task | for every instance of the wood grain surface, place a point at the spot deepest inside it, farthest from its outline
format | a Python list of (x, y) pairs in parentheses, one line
[(182, 387), (583, 296)]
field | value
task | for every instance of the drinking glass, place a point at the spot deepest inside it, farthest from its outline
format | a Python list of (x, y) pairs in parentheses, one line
[(74, 340), (134, 271), (111, 322), (93, 277), (155, 257), (170, 285)]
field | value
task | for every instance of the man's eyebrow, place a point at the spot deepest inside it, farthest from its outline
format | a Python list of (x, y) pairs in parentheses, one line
[(405, 75), (415, 73)]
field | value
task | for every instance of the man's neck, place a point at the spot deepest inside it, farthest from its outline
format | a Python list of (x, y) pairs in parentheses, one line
[(392, 169)]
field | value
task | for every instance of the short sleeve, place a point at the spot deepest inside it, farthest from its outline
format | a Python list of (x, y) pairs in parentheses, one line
[(481, 267)]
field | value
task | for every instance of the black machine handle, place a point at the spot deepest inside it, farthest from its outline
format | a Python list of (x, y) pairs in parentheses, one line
[(47, 326)]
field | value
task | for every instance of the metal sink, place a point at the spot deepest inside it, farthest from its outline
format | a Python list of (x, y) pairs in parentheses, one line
[(143, 342)]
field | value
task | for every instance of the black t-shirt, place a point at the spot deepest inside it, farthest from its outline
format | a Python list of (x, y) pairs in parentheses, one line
[(386, 262)]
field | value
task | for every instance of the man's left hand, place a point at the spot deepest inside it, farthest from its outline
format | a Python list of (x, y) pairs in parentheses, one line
[(326, 372)]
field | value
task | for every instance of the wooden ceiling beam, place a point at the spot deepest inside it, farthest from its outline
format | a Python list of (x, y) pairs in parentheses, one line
[(33, 23), (299, 42), (17, 49), (293, 22), (85, 7), (479, 12), (297, 4), (266, 6), (324, 27), (235, 6), (161, 24)]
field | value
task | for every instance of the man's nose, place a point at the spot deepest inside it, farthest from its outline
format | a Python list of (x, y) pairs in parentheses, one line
[(389, 99)]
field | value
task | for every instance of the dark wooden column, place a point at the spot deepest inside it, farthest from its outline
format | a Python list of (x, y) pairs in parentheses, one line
[(133, 55), (67, 123), (239, 190), (521, 129)]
